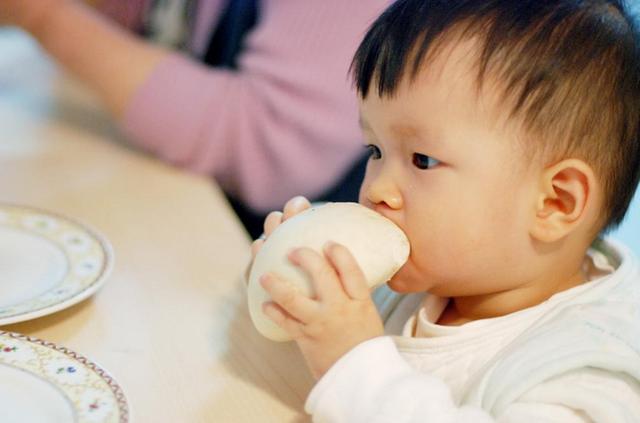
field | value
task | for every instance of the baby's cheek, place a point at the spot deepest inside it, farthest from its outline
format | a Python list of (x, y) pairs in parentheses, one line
[(416, 275)]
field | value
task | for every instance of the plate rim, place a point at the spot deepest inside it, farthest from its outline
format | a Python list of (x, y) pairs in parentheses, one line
[(114, 386), (82, 295)]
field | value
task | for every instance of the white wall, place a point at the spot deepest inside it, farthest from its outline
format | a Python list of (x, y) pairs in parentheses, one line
[(629, 231)]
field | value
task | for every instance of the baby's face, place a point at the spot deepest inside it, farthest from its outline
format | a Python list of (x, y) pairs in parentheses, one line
[(449, 171)]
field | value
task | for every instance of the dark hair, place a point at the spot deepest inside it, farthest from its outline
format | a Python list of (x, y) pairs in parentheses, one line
[(570, 68)]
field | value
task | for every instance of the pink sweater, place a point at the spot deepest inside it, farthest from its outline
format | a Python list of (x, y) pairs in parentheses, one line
[(285, 124)]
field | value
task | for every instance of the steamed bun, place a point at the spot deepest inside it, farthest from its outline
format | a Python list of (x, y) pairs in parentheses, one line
[(376, 243)]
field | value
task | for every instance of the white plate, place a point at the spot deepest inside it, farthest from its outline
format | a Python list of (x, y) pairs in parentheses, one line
[(42, 382), (47, 263)]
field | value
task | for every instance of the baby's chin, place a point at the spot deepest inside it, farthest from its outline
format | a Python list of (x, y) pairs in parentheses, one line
[(408, 280), (404, 286)]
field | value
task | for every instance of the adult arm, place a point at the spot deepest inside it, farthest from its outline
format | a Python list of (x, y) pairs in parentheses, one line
[(284, 124), (107, 57)]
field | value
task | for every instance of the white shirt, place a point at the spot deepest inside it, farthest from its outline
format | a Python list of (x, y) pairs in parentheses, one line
[(437, 373)]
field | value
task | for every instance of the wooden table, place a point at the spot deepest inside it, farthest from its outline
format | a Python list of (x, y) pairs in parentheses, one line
[(171, 323)]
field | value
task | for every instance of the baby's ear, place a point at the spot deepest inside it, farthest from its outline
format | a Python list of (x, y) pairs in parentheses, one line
[(566, 200)]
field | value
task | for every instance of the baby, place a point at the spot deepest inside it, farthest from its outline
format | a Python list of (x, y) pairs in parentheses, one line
[(504, 139)]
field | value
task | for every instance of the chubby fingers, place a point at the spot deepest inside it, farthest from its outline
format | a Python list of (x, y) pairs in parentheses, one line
[(324, 278), (275, 218), (283, 319), (255, 246), (295, 206), (298, 306), (348, 270), (271, 222)]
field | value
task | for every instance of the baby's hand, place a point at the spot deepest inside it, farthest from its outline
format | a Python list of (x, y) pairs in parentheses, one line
[(274, 219), (341, 316)]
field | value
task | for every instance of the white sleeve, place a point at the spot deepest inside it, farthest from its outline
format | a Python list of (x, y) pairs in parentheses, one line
[(583, 395), (374, 384)]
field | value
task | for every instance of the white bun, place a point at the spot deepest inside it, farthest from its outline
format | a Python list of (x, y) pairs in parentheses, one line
[(376, 243)]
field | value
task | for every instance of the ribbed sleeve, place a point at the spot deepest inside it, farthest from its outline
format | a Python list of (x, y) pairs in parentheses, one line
[(374, 384)]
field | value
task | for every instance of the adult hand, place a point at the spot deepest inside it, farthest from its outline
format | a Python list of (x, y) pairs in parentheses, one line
[(339, 317)]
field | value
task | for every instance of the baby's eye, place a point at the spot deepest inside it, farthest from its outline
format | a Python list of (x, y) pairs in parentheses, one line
[(422, 161), (374, 152)]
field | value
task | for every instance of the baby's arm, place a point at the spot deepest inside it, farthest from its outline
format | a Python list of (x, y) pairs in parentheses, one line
[(364, 378), (109, 59), (341, 314), (374, 384)]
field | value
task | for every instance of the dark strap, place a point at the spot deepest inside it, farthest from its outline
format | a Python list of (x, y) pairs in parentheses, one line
[(238, 18)]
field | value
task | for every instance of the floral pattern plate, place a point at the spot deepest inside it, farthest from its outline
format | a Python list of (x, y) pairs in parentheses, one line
[(47, 263), (43, 382)]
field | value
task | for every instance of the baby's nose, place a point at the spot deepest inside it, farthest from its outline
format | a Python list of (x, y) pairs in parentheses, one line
[(384, 194)]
